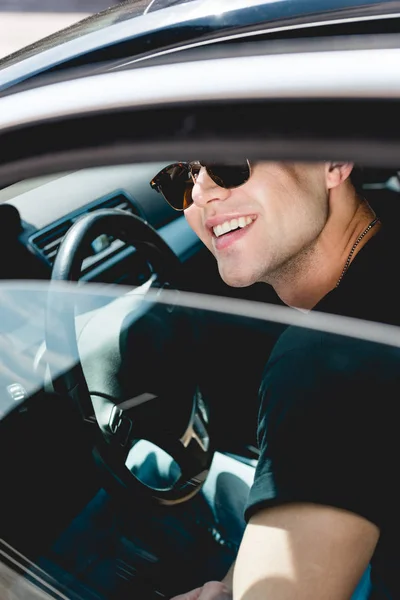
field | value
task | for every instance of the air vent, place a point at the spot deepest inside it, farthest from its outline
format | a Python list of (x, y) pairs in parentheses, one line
[(47, 242), (120, 202)]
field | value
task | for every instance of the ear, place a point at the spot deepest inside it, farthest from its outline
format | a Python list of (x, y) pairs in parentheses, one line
[(336, 173)]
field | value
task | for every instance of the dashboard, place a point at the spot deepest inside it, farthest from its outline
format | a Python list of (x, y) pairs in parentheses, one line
[(47, 207)]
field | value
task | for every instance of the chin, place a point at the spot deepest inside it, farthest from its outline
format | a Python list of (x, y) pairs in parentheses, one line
[(237, 279)]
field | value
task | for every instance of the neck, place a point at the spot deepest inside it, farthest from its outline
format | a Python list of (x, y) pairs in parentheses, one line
[(304, 280)]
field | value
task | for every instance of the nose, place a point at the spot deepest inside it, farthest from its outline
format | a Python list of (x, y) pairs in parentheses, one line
[(205, 190)]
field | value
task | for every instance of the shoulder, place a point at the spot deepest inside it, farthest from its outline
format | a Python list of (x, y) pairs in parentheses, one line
[(318, 376), (316, 355)]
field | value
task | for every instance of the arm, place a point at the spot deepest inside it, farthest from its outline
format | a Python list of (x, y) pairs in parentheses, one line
[(303, 551), (314, 512)]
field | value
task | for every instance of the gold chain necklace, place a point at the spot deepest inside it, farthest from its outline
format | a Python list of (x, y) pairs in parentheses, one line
[(358, 240)]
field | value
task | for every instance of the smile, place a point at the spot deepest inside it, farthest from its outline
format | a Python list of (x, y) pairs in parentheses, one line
[(231, 225)]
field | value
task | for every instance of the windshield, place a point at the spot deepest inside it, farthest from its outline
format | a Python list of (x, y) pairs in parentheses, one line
[(122, 11), (203, 17), (159, 4)]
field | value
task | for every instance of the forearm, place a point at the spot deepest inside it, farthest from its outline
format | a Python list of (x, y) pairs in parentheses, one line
[(301, 551)]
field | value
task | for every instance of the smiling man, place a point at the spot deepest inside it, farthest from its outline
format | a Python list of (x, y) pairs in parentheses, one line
[(301, 223), (314, 515)]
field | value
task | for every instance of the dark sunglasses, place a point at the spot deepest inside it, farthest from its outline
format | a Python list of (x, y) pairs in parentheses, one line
[(176, 181)]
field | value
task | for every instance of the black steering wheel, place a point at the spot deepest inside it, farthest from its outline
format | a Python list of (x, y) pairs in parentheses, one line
[(131, 385)]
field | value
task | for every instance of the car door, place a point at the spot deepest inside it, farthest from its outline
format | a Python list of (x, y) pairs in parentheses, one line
[(307, 105)]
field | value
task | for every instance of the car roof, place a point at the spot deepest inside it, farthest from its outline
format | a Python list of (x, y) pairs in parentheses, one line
[(136, 27)]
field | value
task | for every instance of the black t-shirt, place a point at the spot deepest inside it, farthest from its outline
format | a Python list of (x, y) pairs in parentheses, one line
[(328, 430)]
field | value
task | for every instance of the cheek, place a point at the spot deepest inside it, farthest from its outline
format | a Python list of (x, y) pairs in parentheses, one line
[(193, 217)]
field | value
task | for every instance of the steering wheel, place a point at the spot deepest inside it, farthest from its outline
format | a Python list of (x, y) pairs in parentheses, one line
[(130, 385)]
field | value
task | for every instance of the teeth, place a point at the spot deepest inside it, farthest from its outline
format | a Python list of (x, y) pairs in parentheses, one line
[(231, 225), (225, 227)]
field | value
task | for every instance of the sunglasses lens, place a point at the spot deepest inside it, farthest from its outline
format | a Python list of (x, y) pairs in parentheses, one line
[(176, 184), (176, 181), (229, 176)]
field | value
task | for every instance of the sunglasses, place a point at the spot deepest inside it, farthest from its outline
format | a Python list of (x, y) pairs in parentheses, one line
[(176, 181)]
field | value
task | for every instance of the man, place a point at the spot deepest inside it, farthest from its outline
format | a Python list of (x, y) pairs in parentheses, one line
[(315, 512)]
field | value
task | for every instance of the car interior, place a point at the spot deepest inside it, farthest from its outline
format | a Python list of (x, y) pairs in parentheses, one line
[(58, 492)]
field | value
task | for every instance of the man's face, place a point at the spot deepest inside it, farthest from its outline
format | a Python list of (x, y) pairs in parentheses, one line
[(284, 207)]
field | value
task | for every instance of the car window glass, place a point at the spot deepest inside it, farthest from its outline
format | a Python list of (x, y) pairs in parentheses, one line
[(150, 356), (124, 376)]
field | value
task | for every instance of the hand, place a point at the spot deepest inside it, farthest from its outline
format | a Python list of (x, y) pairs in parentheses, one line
[(213, 590)]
